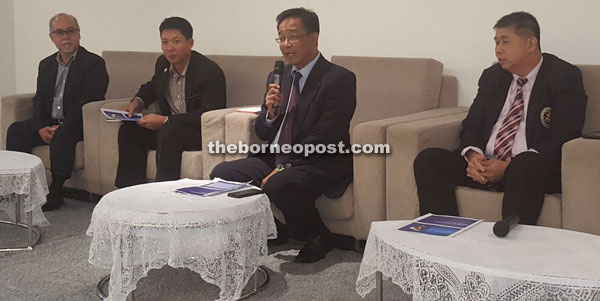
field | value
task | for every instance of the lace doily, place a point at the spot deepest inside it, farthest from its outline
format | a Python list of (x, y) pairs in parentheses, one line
[(23, 179), (533, 263), (145, 227)]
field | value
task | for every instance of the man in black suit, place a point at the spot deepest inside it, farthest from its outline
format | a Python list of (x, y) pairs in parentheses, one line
[(314, 105), (66, 81), (185, 85), (527, 106)]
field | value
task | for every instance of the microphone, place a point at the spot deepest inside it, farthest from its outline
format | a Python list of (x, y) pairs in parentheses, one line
[(277, 76), (501, 228)]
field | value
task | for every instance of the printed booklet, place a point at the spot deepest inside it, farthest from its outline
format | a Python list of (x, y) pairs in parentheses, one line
[(120, 115), (440, 225), (216, 186)]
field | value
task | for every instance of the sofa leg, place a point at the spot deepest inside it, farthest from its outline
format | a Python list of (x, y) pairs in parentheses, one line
[(350, 243)]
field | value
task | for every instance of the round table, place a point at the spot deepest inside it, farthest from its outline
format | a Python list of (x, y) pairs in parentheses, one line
[(23, 191), (148, 226), (531, 263)]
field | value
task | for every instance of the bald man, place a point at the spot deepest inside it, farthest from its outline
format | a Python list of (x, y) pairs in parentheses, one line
[(66, 81)]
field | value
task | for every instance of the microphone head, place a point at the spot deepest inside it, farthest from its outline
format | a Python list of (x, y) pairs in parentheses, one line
[(278, 67), (501, 228)]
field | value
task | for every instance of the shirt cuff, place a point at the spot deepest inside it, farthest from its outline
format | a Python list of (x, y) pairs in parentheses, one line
[(269, 122), (467, 149), (141, 100)]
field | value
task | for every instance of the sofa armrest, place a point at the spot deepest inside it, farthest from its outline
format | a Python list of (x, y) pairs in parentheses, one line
[(13, 108), (407, 140), (239, 128), (580, 189), (100, 148), (369, 169), (213, 131)]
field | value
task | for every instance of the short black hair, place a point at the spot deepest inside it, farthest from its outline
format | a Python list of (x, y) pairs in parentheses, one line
[(309, 18), (525, 24), (178, 23)]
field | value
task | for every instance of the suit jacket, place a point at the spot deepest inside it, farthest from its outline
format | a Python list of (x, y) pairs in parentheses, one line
[(322, 115), (87, 81), (204, 89), (558, 87)]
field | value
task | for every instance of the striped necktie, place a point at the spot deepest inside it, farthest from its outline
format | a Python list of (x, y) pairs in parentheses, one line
[(506, 135), (285, 137)]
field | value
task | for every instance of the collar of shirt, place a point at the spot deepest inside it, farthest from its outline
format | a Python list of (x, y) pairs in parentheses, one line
[(173, 70), (532, 74), (305, 71), (60, 61)]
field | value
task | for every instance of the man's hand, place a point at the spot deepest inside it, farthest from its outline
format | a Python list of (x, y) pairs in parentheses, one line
[(272, 99), (134, 106), (47, 133), (476, 167), (494, 169), (152, 121), (264, 181)]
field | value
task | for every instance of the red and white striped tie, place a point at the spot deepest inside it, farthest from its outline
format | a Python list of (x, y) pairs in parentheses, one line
[(506, 135)]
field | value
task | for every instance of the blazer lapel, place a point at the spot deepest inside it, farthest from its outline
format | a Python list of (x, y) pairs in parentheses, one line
[(189, 83), (308, 94), (162, 88), (535, 99)]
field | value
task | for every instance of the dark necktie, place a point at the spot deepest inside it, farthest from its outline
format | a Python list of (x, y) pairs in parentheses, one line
[(508, 130), (285, 137)]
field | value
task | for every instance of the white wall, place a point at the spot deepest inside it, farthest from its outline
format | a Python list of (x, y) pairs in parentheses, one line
[(7, 58), (458, 33)]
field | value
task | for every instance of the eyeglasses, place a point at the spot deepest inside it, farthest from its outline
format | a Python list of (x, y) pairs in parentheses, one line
[(69, 32), (292, 39)]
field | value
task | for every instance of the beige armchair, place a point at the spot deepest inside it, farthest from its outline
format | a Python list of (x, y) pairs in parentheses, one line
[(577, 208), (389, 91), (244, 75)]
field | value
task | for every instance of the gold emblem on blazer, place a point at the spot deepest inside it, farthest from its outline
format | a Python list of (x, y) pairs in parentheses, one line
[(545, 117)]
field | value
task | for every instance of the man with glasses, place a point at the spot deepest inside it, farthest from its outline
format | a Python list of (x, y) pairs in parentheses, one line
[(185, 85), (66, 81), (313, 105)]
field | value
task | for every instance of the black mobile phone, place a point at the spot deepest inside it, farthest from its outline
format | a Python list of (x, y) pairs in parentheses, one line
[(244, 193)]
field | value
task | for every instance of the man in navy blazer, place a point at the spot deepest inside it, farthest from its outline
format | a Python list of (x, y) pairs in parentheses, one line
[(527, 106), (313, 106), (185, 85), (66, 81)]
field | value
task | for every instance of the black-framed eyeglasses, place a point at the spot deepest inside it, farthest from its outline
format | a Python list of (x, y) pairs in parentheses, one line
[(69, 32), (292, 39)]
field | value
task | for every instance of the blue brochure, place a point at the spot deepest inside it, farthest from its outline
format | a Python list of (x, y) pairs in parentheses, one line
[(217, 186), (440, 225)]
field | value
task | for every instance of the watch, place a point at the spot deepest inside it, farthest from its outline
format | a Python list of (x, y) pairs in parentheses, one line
[(282, 166)]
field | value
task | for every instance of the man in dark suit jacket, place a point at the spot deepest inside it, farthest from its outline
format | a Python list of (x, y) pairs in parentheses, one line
[(66, 81), (313, 106), (185, 85), (526, 107)]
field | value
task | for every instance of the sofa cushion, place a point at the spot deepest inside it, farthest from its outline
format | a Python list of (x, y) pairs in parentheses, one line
[(591, 78), (44, 153), (127, 70), (389, 87), (487, 205), (341, 208), (191, 165)]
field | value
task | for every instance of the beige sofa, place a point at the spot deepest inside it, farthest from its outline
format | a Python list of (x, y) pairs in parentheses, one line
[(97, 156), (389, 91), (577, 208)]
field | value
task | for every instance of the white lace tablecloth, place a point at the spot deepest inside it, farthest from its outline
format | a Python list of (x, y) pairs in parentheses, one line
[(23, 178), (145, 227), (531, 263)]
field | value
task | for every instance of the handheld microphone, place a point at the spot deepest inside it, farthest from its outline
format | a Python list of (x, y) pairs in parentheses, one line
[(277, 76), (501, 228)]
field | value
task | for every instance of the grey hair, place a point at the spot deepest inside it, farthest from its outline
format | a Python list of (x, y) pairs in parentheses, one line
[(62, 15)]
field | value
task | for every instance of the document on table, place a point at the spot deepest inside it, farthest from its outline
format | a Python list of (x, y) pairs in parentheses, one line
[(440, 225), (217, 186)]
